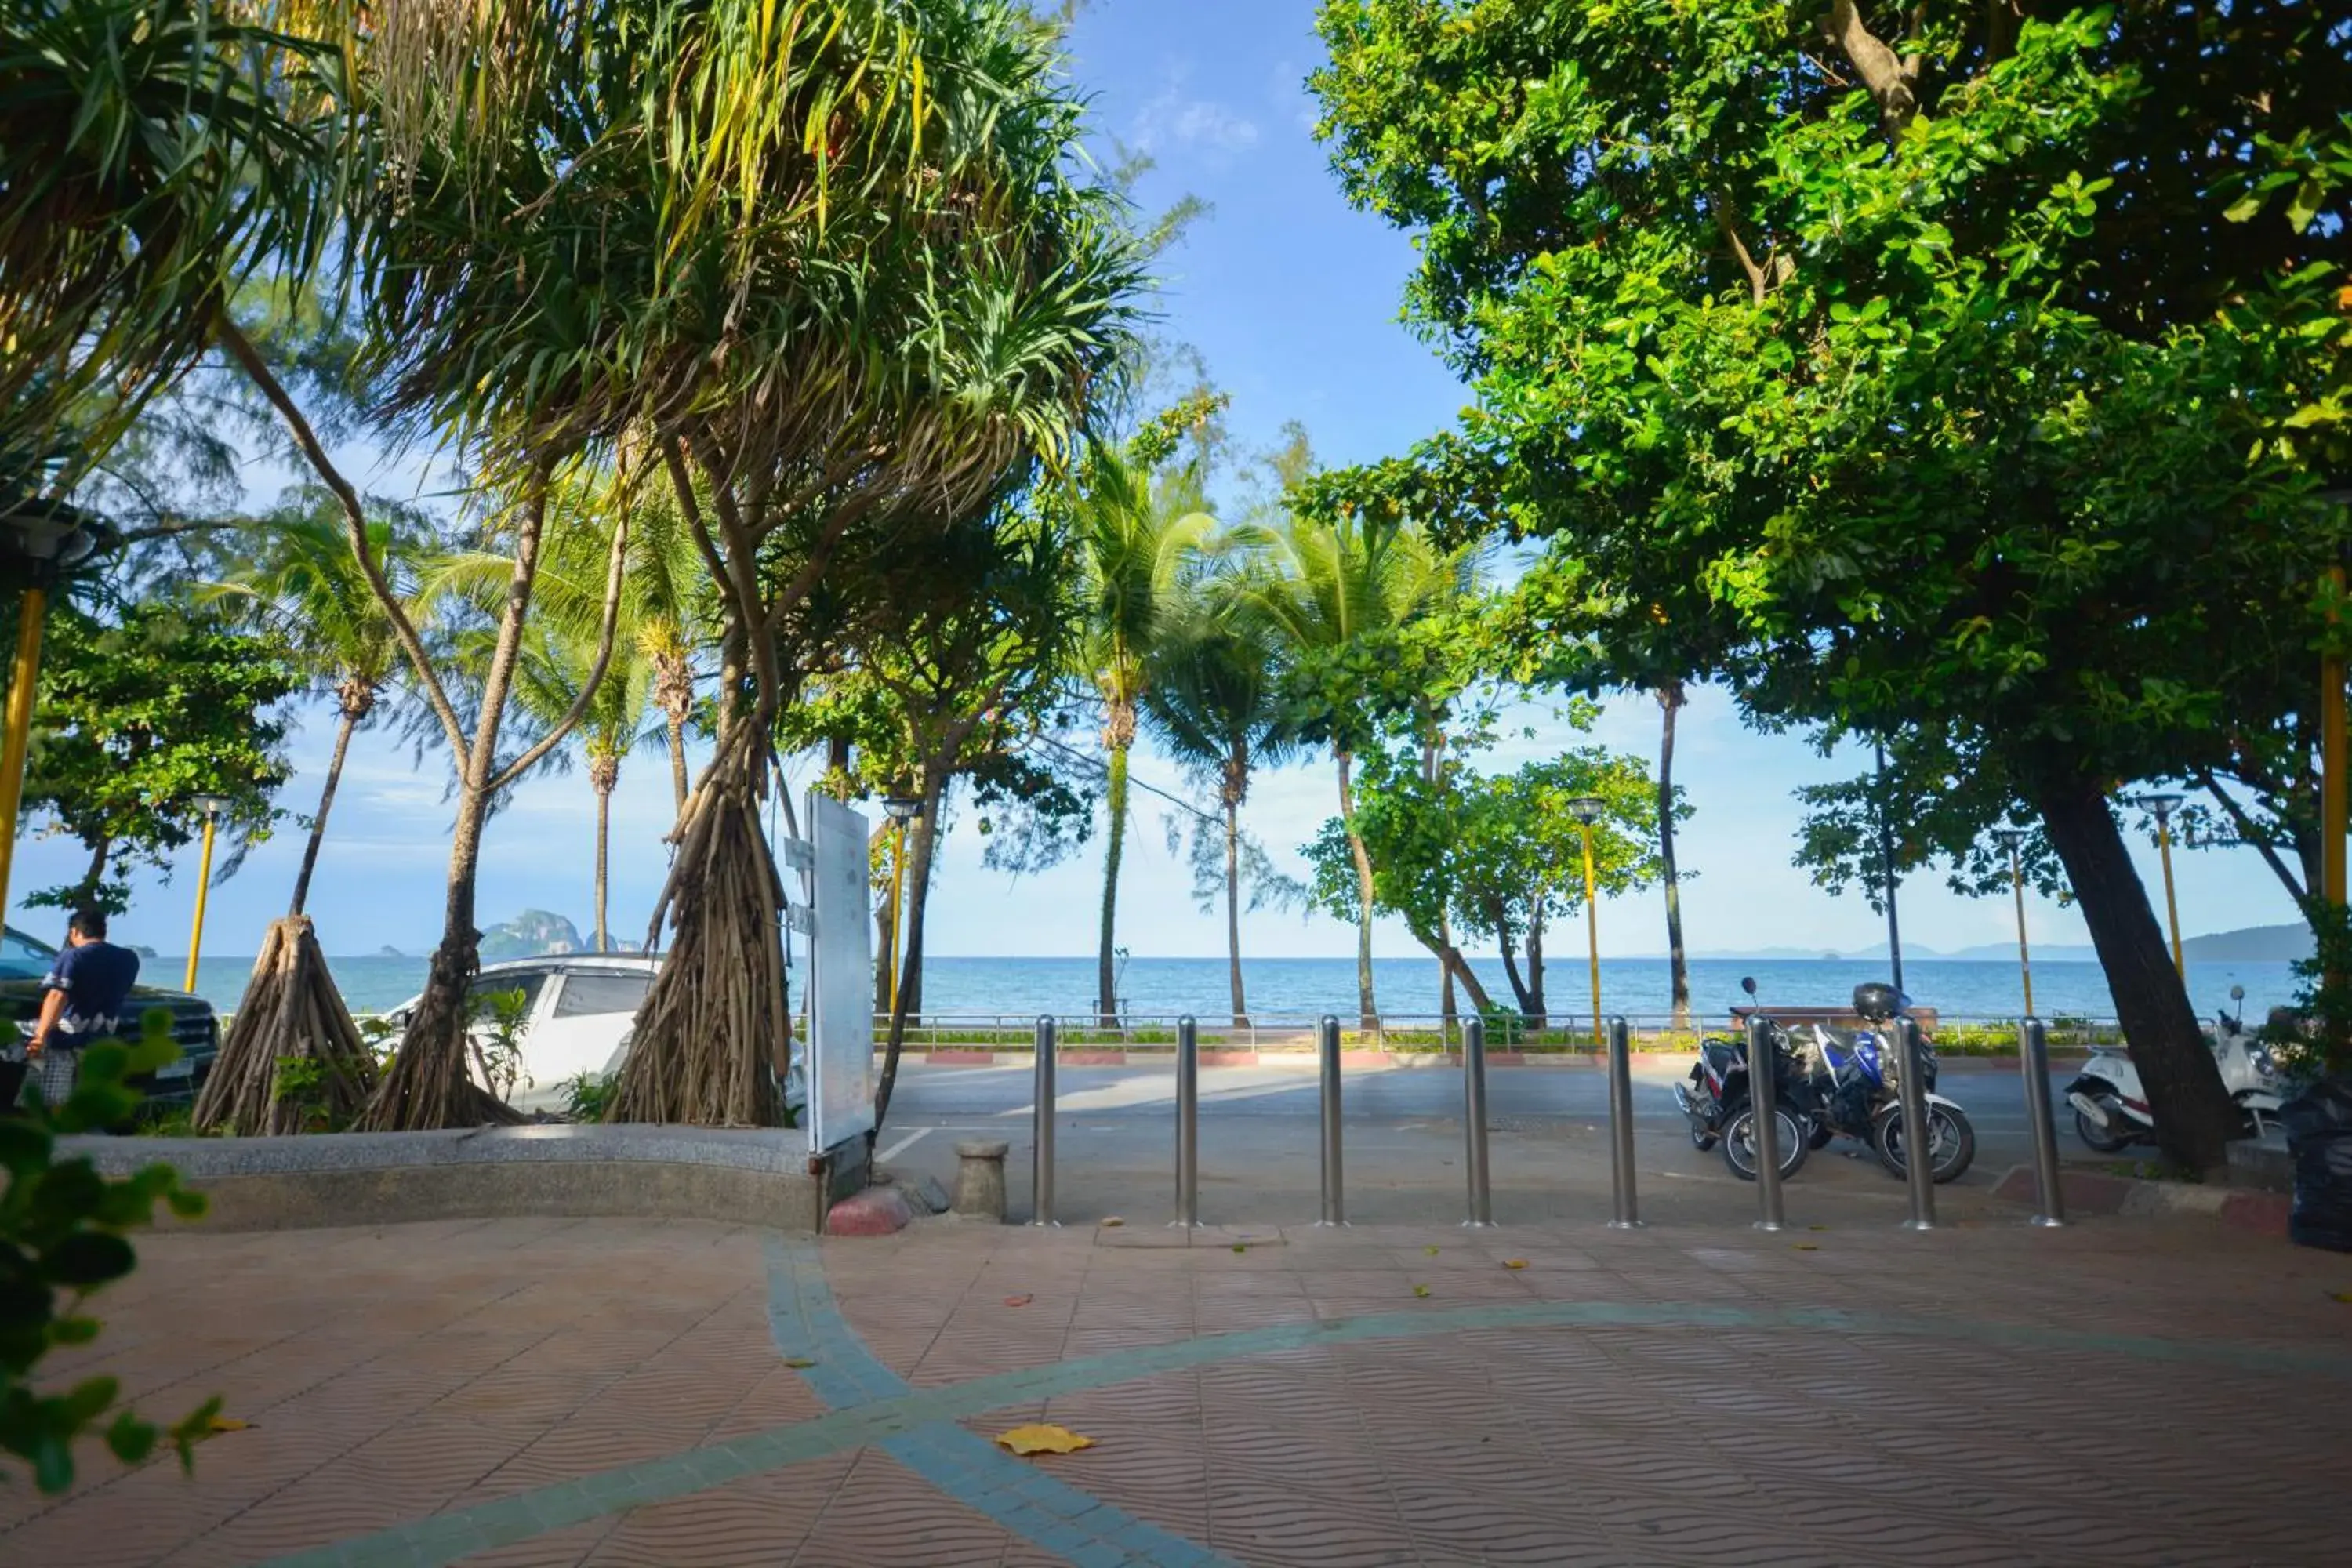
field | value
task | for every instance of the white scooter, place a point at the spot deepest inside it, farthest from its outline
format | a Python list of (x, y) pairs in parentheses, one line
[(2111, 1110)]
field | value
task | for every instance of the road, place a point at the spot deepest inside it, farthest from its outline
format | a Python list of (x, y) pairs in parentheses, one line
[(1404, 1146)]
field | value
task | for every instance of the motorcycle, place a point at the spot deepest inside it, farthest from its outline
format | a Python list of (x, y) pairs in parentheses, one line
[(1850, 1090), (2111, 1108), (1715, 1103)]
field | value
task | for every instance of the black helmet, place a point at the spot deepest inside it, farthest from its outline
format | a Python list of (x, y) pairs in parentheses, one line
[(1877, 1000)]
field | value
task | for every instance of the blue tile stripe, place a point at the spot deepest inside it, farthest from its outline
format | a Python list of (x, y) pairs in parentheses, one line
[(807, 1325), (446, 1538)]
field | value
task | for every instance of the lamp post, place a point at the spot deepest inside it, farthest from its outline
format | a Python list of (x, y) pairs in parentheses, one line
[(901, 809), (2164, 806), (37, 541), (212, 805), (1886, 866), (2009, 839), (2332, 748), (1586, 809)]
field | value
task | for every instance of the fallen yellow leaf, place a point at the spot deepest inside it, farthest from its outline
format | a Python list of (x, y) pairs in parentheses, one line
[(1046, 1439), (798, 1362), (1239, 1247), (1109, 1220), (1817, 1227), (1807, 1246), (1514, 1263), (1018, 1300), (2341, 1295), (226, 1424), (1431, 1250), (1420, 1290)]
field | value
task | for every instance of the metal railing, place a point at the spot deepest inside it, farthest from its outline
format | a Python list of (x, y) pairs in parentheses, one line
[(1764, 1129)]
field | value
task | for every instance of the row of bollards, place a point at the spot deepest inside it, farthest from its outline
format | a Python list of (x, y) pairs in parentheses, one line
[(1911, 1092)]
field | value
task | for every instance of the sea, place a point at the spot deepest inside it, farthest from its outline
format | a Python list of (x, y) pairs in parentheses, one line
[(1014, 989)]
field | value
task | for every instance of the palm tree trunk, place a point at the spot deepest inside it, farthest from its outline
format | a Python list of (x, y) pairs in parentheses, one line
[(1106, 972), (1234, 912), (1538, 1012), (326, 803), (677, 758), (603, 840), (1367, 1006), (1670, 699)]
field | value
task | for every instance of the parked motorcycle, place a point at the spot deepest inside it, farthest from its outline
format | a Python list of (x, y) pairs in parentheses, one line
[(1715, 1103), (2111, 1108), (1850, 1088)]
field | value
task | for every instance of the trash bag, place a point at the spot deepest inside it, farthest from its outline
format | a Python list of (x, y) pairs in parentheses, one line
[(2319, 1139)]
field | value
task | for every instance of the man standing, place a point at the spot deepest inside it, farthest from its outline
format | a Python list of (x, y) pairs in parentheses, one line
[(82, 995)]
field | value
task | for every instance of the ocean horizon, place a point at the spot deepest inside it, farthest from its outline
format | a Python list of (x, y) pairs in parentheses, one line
[(1304, 988)]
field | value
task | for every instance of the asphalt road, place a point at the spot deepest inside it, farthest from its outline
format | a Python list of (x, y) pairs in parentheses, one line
[(1260, 1154)]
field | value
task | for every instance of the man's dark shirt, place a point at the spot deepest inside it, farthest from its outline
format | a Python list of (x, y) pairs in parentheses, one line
[(97, 978)]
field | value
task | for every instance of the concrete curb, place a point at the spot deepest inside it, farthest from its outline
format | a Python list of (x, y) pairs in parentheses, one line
[(2098, 1192)]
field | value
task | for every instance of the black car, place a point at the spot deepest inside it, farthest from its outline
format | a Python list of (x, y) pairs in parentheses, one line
[(23, 962)]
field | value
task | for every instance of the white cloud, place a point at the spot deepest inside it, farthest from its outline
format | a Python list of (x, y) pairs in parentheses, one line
[(1173, 121)]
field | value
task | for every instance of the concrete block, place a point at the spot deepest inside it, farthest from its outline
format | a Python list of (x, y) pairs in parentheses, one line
[(979, 1180), (876, 1211)]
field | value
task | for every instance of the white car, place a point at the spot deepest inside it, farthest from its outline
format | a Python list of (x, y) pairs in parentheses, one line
[(582, 1009)]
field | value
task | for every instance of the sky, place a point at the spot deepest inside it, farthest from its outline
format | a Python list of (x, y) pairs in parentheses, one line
[(1292, 300)]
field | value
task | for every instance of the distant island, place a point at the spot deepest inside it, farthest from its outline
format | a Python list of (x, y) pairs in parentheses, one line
[(2252, 944), (534, 933), (389, 951)]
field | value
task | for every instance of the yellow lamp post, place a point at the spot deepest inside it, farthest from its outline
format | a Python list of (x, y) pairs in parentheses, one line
[(1587, 809), (212, 805), (2164, 806), (2009, 839), (36, 542), (901, 809)]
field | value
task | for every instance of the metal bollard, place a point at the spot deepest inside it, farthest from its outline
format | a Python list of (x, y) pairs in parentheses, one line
[(1918, 1152), (2034, 1058), (1335, 1207), (1043, 1114), (1764, 1124), (1188, 1122), (1621, 1125), (1474, 1124)]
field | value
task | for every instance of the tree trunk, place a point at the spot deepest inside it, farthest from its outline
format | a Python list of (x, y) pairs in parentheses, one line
[(1367, 1006), (325, 802), (1234, 912), (86, 891), (886, 914), (603, 840), (1538, 1011), (1499, 920), (677, 724), (1670, 699), (1106, 968), (925, 834), (2194, 1117)]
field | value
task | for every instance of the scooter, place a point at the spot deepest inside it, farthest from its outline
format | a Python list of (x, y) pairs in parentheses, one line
[(2111, 1108)]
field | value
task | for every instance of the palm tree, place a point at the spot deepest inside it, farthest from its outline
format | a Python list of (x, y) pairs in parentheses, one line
[(1214, 699), (1136, 551), (663, 606), (552, 676), (300, 577), (1340, 585)]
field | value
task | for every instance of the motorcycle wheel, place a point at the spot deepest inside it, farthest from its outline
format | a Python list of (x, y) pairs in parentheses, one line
[(2104, 1139), (1701, 1140), (1951, 1142), (1739, 1140)]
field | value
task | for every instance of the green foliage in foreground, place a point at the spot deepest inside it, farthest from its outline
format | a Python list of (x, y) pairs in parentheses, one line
[(62, 1229)]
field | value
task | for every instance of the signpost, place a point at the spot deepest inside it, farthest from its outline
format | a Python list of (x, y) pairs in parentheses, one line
[(840, 1046)]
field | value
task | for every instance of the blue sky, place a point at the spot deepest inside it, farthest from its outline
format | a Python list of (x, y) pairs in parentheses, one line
[(1291, 299)]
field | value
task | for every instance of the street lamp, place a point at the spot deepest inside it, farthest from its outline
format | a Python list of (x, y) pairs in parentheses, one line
[(38, 540), (212, 805), (1587, 809), (2164, 806), (1886, 866), (2009, 839), (900, 809)]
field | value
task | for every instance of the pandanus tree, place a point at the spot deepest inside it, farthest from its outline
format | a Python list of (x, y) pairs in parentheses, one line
[(153, 155)]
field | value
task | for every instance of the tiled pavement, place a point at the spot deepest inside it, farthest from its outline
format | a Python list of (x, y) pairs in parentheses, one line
[(526, 1392)]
